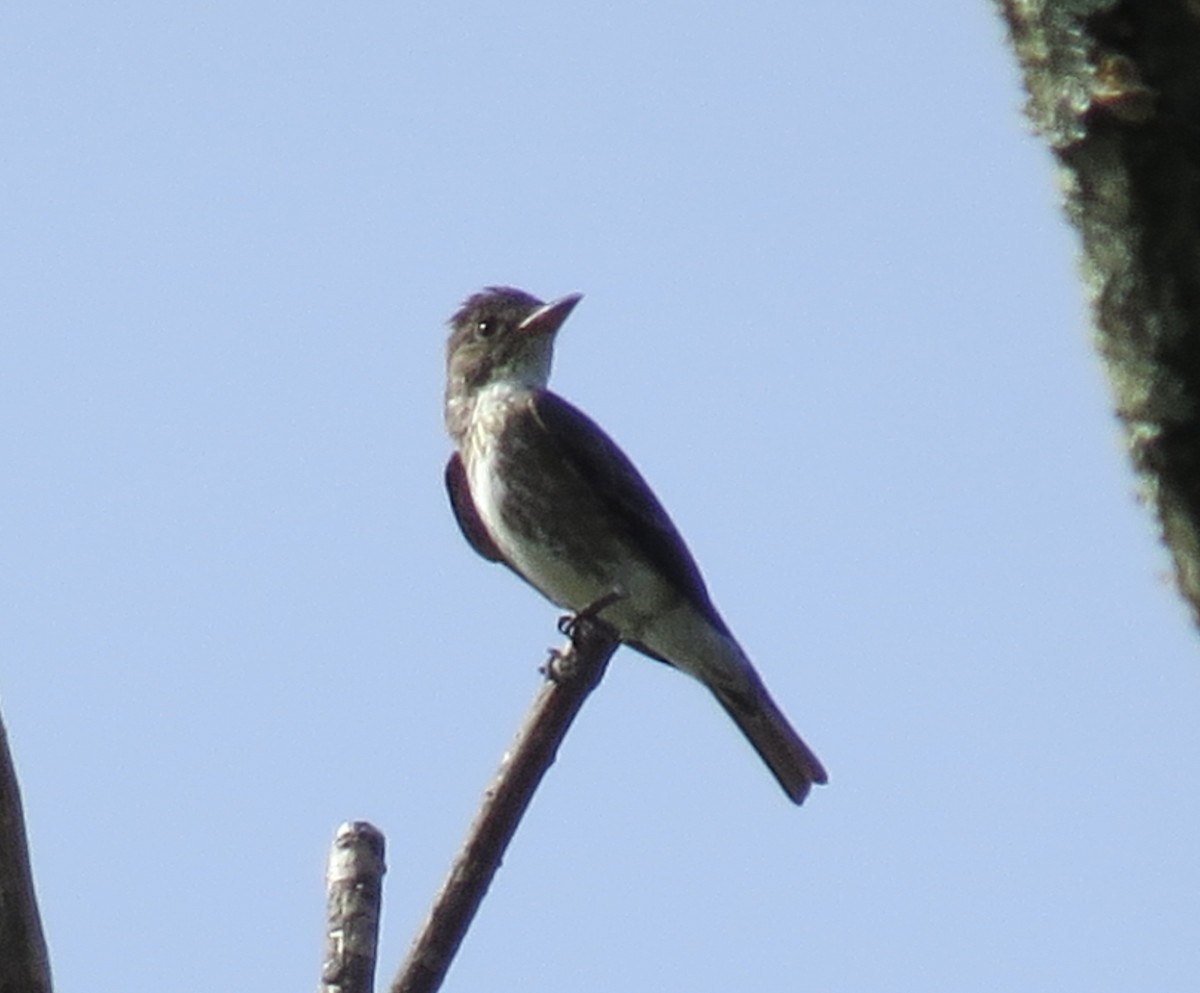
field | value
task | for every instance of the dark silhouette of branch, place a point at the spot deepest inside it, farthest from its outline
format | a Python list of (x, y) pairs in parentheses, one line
[(355, 884), (573, 674), (1114, 87), (24, 964)]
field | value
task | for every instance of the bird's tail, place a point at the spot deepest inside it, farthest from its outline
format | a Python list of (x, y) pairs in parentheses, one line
[(787, 756)]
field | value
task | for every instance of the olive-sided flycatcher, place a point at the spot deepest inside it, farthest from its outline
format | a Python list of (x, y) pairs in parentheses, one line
[(537, 485)]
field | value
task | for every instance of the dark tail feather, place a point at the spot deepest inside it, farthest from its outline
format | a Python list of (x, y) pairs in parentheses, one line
[(790, 760)]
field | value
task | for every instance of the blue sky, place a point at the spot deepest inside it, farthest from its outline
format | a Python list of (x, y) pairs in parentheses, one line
[(831, 310)]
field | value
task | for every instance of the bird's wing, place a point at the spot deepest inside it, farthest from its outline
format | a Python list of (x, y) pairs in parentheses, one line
[(610, 474), (468, 518)]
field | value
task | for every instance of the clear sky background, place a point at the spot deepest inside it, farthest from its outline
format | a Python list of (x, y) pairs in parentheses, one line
[(831, 310)]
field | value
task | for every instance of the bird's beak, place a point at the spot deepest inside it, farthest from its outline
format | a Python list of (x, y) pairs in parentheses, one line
[(549, 317)]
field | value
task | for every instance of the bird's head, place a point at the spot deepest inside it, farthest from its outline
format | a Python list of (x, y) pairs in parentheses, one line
[(500, 335)]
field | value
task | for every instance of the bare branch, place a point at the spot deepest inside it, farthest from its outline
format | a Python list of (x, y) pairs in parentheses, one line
[(573, 674), (24, 964), (355, 883)]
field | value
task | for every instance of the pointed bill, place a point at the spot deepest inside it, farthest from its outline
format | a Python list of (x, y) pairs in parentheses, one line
[(549, 317)]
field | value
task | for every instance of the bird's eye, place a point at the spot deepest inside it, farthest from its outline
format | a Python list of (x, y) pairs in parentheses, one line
[(486, 328)]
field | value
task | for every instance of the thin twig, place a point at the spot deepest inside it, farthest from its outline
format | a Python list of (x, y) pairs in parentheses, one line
[(355, 884), (573, 674), (24, 963)]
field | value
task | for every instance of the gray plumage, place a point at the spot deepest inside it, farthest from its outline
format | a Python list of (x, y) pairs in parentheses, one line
[(538, 486)]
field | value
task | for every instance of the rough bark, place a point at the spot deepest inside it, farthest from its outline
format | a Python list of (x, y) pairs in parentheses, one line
[(1114, 88), (354, 880)]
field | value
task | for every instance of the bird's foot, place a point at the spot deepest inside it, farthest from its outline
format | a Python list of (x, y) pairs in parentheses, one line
[(568, 624), (561, 665)]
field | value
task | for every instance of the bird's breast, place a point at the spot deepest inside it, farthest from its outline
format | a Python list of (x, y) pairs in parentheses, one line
[(550, 525)]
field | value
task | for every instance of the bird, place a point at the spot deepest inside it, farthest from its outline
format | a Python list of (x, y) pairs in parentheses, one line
[(537, 485)]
